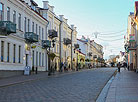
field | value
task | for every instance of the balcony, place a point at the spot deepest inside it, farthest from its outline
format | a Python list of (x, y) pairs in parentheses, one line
[(52, 33), (89, 54), (76, 46), (67, 41), (132, 45), (46, 44), (31, 37), (95, 56), (7, 27)]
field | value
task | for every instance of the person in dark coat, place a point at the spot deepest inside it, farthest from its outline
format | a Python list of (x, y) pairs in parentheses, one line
[(119, 66)]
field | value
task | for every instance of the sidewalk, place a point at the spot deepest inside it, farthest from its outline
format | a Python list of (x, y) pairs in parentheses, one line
[(22, 78), (124, 87)]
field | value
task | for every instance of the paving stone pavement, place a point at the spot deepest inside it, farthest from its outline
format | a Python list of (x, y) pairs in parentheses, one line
[(124, 87), (75, 87)]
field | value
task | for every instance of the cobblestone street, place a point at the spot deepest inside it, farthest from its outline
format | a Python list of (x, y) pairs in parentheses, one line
[(81, 86)]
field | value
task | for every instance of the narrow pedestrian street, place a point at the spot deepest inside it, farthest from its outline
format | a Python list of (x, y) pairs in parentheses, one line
[(73, 51), (83, 86)]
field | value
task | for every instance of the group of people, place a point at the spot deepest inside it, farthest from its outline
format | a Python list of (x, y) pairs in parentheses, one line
[(65, 66), (119, 65)]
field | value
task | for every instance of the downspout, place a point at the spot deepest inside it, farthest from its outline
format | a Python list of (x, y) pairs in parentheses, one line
[(71, 50), (60, 56), (46, 50)]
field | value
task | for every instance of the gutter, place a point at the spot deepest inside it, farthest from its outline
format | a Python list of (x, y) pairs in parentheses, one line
[(71, 50), (60, 56), (46, 39)]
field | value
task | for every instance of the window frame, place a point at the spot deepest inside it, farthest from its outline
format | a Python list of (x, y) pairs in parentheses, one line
[(19, 21), (8, 13), (14, 16)]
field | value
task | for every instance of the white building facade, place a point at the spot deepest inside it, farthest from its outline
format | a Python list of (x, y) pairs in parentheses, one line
[(23, 47)]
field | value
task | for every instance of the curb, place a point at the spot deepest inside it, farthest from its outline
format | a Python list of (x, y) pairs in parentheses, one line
[(103, 94)]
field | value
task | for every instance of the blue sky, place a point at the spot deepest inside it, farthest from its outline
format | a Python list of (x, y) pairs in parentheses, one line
[(97, 16)]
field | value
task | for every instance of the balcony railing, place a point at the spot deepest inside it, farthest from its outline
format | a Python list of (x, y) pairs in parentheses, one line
[(67, 41), (76, 46), (46, 44), (7, 27), (95, 56), (89, 54), (52, 33), (31, 37), (132, 46)]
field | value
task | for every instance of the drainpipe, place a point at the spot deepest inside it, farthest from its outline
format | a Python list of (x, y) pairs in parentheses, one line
[(60, 56), (71, 50), (46, 50)]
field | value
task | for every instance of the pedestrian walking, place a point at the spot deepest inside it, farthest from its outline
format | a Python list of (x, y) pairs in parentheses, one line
[(61, 66), (65, 66), (125, 65), (55, 66), (119, 66), (128, 67)]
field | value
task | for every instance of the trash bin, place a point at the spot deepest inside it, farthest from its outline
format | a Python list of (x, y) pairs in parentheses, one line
[(27, 70)]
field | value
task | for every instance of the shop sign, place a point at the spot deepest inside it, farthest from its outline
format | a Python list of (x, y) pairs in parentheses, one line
[(131, 37)]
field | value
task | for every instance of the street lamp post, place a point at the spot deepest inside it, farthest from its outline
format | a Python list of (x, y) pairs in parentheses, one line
[(77, 59), (48, 52), (76, 47)]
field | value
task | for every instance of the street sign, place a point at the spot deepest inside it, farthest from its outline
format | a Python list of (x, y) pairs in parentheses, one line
[(27, 70)]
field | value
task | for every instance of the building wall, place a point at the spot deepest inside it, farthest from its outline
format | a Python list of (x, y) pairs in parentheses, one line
[(18, 38)]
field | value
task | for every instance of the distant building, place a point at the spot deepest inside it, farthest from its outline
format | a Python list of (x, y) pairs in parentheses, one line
[(92, 50)]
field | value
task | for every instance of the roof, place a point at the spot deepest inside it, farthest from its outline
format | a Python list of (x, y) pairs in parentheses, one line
[(34, 10), (82, 41), (81, 52)]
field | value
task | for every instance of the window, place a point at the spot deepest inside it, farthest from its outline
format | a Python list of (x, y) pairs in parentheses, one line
[(42, 33), (36, 28), (39, 58), (50, 25), (8, 14), (8, 52), (57, 48), (19, 54), (1, 12), (28, 25), (2, 51), (14, 17), (33, 27), (25, 24), (19, 21), (14, 49), (43, 59)]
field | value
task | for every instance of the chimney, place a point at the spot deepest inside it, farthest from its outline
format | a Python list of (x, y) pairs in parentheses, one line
[(45, 4), (52, 8), (66, 20), (61, 17), (75, 28), (72, 27)]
